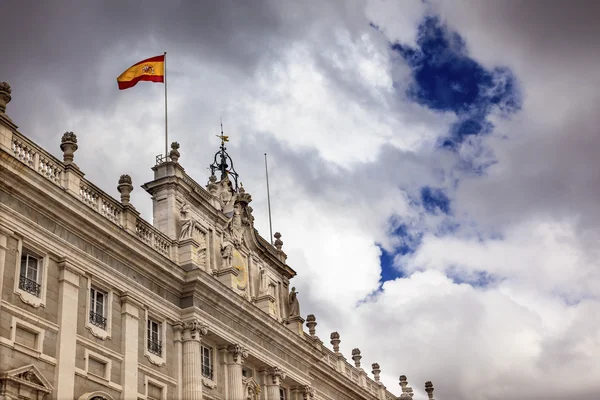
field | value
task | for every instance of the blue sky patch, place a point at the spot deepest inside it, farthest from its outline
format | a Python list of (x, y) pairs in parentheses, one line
[(435, 200), (447, 79), (477, 279)]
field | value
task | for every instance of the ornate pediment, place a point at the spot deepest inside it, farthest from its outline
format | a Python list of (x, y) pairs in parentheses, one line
[(27, 378), (251, 389)]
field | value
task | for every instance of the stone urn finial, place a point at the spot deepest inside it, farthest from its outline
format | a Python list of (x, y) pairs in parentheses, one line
[(212, 185), (174, 153), (356, 357), (403, 384), (278, 242), (311, 322), (5, 96), (68, 145), (125, 188), (429, 389), (335, 341), (376, 371)]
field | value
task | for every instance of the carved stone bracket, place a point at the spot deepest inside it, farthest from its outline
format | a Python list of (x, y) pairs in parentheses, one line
[(208, 383), (307, 392), (158, 361), (193, 330), (196, 326), (238, 353), (277, 375)]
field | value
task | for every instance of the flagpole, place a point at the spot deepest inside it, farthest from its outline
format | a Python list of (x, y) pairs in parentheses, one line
[(268, 200), (166, 121)]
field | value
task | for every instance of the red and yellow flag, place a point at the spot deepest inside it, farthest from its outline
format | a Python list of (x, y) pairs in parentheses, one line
[(152, 69)]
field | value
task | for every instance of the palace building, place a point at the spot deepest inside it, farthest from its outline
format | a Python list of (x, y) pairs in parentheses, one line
[(99, 304)]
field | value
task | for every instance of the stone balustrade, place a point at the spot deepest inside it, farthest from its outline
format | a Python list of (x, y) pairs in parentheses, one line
[(153, 237), (53, 170), (37, 159)]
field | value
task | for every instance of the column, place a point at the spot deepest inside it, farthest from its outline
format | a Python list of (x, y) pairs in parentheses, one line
[(178, 331), (68, 299), (223, 357), (3, 249), (237, 354), (192, 362), (274, 377), (130, 319)]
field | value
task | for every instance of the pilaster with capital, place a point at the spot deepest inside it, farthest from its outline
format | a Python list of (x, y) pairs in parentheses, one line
[(68, 302), (191, 359), (178, 341), (3, 248), (274, 376), (236, 354), (130, 319)]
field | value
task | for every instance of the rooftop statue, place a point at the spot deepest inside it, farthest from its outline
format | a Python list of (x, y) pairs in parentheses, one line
[(294, 305)]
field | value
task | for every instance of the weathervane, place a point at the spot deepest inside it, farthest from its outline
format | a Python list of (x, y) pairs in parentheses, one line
[(223, 159)]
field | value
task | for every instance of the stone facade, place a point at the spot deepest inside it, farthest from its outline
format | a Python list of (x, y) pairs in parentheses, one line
[(97, 303)]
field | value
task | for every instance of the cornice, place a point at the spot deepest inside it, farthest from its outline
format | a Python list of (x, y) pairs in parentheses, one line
[(326, 374), (210, 291)]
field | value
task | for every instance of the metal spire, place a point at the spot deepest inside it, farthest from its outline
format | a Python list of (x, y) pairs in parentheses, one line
[(222, 165)]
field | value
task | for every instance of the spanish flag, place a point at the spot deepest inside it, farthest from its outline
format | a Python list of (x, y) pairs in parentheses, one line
[(152, 69)]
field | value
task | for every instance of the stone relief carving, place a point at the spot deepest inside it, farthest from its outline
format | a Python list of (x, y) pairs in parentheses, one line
[(226, 194), (251, 389), (29, 376), (227, 254), (187, 222), (263, 281), (236, 226), (294, 305), (201, 255)]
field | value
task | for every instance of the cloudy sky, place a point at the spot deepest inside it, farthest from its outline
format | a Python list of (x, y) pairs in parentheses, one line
[(433, 164)]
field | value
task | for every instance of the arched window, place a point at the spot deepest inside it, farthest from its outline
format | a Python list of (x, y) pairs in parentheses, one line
[(95, 396)]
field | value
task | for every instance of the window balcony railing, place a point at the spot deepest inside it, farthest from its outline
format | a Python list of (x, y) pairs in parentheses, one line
[(207, 371), (98, 320), (29, 285), (155, 347)]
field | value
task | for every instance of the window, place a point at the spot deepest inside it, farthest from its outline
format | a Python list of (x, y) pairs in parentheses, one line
[(207, 365), (98, 306), (29, 278), (154, 335), (282, 394), (26, 337), (155, 392), (98, 368)]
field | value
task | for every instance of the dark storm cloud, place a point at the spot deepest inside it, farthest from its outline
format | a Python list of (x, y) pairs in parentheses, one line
[(550, 165)]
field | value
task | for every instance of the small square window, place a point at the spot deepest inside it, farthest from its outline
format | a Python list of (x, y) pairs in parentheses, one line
[(29, 277), (207, 364), (282, 394), (154, 337), (98, 306), (155, 392)]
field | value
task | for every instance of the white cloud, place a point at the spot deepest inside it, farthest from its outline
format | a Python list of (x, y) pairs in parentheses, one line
[(321, 92)]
